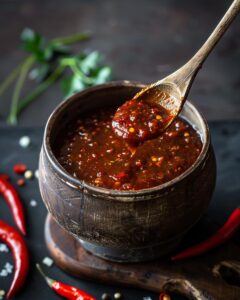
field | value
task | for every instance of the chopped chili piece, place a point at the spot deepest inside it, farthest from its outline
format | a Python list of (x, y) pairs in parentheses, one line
[(19, 168), (11, 196), (21, 182), (220, 237), (89, 150), (16, 243), (67, 291)]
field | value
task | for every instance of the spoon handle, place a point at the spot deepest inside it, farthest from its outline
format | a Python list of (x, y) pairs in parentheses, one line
[(184, 76)]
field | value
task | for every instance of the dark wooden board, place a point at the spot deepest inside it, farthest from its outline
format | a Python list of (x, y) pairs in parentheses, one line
[(226, 141), (194, 278)]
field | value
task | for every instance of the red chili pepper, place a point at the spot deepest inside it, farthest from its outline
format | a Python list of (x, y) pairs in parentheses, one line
[(67, 291), (20, 168), (16, 243), (221, 236), (13, 200)]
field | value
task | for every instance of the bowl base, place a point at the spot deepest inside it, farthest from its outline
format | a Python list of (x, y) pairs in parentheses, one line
[(119, 255), (58, 239)]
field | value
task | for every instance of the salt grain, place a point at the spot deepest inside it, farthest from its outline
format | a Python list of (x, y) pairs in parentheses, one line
[(3, 248), (47, 261), (3, 273), (33, 203), (24, 141), (8, 267)]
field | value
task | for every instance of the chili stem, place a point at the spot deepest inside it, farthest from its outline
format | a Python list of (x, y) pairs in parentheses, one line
[(39, 90), (12, 119), (49, 280), (71, 39), (10, 78)]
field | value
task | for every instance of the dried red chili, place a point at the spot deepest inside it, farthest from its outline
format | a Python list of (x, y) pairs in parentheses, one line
[(20, 168), (11, 196), (16, 243), (67, 291), (220, 237)]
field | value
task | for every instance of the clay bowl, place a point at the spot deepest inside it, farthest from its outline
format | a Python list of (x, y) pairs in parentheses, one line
[(124, 226)]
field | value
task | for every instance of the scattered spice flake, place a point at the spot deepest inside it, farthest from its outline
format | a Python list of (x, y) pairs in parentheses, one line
[(24, 141), (47, 261), (164, 296), (33, 203), (21, 182), (4, 248), (19, 168), (28, 174)]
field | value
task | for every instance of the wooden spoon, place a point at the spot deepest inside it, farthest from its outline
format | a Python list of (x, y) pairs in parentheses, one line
[(168, 94)]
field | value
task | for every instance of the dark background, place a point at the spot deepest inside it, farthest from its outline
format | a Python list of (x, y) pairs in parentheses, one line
[(142, 40)]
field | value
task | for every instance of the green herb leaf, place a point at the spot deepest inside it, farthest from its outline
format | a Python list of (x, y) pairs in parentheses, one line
[(71, 85), (31, 41), (89, 62), (104, 74)]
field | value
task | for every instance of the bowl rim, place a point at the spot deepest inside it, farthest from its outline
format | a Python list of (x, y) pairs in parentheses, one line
[(130, 195)]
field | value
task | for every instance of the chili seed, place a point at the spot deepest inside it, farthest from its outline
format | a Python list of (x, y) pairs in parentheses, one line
[(186, 134), (158, 117), (154, 158), (131, 129), (118, 296), (105, 296)]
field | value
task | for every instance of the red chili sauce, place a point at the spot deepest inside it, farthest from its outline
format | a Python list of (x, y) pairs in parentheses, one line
[(90, 151)]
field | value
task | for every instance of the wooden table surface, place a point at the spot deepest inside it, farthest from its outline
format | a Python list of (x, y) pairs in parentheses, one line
[(142, 40)]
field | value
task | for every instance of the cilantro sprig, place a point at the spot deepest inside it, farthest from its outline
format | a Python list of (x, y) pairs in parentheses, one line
[(49, 62)]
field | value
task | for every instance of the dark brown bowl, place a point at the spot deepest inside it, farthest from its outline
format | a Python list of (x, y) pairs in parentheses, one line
[(124, 225)]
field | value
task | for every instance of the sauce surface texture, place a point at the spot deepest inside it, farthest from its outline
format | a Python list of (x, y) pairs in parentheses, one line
[(90, 151)]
